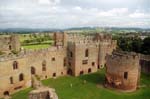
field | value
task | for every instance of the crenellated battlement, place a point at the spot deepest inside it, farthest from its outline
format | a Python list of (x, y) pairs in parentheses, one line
[(70, 39), (97, 37), (27, 53), (124, 54), (122, 58)]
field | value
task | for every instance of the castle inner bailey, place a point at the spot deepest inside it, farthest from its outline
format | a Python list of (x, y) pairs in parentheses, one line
[(9, 43), (123, 70), (70, 55)]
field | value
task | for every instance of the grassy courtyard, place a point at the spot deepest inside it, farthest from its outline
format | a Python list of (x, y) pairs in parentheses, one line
[(92, 89)]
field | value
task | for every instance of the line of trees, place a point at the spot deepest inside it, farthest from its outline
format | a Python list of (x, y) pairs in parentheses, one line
[(134, 44), (37, 39)]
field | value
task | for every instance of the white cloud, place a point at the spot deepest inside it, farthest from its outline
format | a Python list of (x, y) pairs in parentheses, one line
[(44, 2), (139, 15), (114, 12), (77, 8), (47, 2)]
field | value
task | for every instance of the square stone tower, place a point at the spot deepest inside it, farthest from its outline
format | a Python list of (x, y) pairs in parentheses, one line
[(14, 42)]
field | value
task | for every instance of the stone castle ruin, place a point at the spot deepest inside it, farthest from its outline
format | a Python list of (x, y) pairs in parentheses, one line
[(9, 43), (71, 54), (123, 71)]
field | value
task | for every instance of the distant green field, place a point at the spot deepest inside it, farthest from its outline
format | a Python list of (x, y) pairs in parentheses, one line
[(92, 89), (38, 46), (29, 41)]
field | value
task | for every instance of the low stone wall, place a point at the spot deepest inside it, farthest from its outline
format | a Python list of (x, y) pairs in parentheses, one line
[(43, 93)]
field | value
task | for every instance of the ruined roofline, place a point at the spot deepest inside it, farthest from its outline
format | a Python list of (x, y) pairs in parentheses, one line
[(87, 42), (145, 57), (101, 35), (130, 55), (26, 53), (124, 56)]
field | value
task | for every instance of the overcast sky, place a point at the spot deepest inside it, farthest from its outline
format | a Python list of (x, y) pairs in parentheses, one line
[(74, 13)]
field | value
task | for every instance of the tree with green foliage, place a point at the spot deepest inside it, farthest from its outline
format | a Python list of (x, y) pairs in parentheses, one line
[(134, 44), (146, 46)]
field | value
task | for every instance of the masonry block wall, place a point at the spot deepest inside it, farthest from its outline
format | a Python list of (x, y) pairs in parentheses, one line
[(70, 54), (9, 43), (123, 71)]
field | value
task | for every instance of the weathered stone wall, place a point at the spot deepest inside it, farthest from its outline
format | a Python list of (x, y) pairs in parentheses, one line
[(145, 63), (9, 43), (97, 50), (73, 55), (122, 70), (15, 43), (53, 59), (80, 62), (9, 77), (60, 39), (43, 93), (43, 63)]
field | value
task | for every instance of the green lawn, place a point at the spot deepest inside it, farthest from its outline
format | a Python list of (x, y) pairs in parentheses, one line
[(92, 89), (21, 94), (38, 46)]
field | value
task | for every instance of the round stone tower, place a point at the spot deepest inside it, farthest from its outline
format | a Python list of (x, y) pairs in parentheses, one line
[(122, 71)]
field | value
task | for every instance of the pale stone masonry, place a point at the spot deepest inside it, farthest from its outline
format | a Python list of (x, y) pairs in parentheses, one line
[(9, 43), (123, 70), (73, 54)]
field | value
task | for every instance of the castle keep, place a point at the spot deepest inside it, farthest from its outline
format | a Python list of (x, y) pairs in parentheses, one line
[(73, 54)]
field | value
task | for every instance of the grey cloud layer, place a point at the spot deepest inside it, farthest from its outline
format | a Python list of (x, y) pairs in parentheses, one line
[(74, 13)]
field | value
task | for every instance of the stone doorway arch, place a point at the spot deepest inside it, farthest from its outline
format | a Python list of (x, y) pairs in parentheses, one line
[(81, 72), (89, 70), (6, 93), (69, 72)]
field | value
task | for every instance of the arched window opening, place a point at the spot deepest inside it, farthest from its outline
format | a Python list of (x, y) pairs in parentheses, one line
[(21, 77), (81, 72), (10, 47), (33, 71), (11, 80), (44, 65), (86, 53), (54, 74), (69, 72), (15, 65), (89, 70), (71, 54), (125, 75)]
